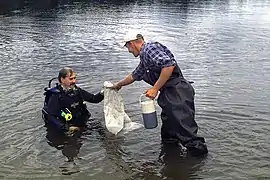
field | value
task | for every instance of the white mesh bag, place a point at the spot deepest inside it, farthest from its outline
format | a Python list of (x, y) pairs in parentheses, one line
[(114, 112)]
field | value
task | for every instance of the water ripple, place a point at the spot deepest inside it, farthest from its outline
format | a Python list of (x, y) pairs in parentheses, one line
[(221, 46)]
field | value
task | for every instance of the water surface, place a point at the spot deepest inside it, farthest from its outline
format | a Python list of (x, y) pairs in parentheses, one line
[(222, 46)]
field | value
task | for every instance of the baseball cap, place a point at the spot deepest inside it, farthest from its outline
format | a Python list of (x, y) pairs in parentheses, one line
[(131, 35)]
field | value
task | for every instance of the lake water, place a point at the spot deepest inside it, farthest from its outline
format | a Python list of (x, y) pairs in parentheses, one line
[(223, 46)]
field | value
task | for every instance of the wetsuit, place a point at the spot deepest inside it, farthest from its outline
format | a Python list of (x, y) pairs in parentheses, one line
[(71, 100)]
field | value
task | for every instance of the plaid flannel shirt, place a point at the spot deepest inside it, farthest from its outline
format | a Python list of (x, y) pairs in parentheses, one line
[(153, 57)]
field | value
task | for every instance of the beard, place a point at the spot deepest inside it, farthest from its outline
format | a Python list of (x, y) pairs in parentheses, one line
[(70, 87)]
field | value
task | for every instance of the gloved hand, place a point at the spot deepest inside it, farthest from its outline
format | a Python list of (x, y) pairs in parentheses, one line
[(102, 91), (72, 130)]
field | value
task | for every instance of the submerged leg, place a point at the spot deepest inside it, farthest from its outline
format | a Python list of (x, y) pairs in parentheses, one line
[(177, 116)]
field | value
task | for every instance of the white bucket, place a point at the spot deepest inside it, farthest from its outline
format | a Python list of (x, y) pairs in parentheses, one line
[(148, 112)]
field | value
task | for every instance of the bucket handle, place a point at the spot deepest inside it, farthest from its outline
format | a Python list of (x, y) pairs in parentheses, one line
[(140, 98)]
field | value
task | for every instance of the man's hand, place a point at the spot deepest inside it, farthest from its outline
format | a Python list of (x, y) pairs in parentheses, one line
[(126, 81), (116, 86), (151, 93), (72, 130), (102, 91)]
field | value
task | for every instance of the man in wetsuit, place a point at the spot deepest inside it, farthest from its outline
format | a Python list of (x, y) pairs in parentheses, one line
[(66, 109)]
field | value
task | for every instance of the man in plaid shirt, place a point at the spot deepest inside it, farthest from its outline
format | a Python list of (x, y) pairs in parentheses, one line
[(159, 68)]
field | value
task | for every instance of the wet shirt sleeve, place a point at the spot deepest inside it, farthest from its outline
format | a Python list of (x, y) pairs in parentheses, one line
[(54, 106), (54, 110), (92, 98)]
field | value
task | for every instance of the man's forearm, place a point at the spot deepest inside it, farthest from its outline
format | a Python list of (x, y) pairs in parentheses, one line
[(126, 81), (164, 76)]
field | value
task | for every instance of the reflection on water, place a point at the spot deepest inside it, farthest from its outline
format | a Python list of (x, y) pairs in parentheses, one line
[(220, 45), (70, 145), (178, 167)]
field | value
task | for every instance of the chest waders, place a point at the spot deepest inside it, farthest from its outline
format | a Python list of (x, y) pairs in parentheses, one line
[(176, 99)]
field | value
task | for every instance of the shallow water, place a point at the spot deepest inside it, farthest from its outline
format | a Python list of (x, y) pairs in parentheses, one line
[(222, 46)]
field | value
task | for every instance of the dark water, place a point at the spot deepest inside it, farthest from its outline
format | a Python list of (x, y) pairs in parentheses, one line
[(221, 45)]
